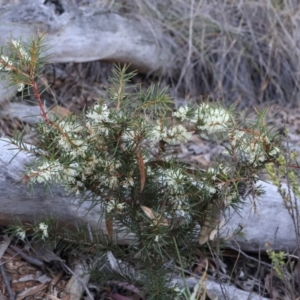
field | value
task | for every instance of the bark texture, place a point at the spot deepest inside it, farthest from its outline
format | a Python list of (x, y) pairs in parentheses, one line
[(271, 223), (86, 34)]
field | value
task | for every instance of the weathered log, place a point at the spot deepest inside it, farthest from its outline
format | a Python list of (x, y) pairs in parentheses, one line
[(19, 203), (272, 223), (83, 35)]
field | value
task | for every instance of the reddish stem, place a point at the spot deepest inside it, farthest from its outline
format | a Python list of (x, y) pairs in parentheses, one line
[(38, 97)]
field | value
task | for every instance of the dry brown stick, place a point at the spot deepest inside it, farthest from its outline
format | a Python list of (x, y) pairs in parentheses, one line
[(6, 283), (3, 248), (5, 245), (29, 259)]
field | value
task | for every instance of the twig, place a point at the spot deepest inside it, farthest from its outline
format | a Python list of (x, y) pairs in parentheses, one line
[(29, 259), (3, 248), (5, 245), (6, 282), (250, 257)]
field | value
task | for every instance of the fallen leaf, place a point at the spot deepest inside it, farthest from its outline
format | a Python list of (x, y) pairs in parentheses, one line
[(59, 111), (31, 291), (155, 216), (149, 212)]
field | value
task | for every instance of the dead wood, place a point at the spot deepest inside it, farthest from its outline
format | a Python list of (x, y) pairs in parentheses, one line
[(82, 35), (89, 34), (19, 203)]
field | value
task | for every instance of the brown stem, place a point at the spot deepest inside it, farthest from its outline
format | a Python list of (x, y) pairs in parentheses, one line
[(38, 98)]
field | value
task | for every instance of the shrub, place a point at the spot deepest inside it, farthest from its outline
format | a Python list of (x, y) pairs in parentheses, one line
[(120, 154)]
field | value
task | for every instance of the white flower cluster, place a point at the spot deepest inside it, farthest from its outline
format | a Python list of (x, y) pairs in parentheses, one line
[(212, 173), (98, 119), (128, 181), (20, 87), (44, 228), (252, 147), (54, 171), (182, 112), (114, 205), (172, 178), (177, 133), (99, 114), (110, 167), (204, 186), (214, 120), (206, 117), (5, 65), (173, 135), (24, 54), (21, 233), (71, 141), (181, 207)]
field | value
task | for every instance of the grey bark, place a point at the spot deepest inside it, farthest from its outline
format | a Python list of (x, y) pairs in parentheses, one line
[(272, 223), (19, 203), (86, 34)]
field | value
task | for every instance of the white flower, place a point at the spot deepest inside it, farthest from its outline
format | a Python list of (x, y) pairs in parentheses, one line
[(64, 143), (128, 136), (177, 133), (72, 143), (46, 172), (21, 233), (54, 171), (112, 182), (128, 182), (80, 150), (21, 87), (16, 43), (22, 51), (274, 152), (157, 238), (159, 132), (251, 148), (7, 63), (70, 174), (237, 136), (70, 127), (172, 178), (24, 54), (44, 228), (212, 119), (113, 204), (181, 113), (99, 114), (213, 172), (204, 186)]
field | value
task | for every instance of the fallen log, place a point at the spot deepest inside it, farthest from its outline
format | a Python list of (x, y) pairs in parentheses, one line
[(83, 35), (272, 222), (20, 204)]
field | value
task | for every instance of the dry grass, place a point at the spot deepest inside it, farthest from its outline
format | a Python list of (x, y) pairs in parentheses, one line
[(245, 51)]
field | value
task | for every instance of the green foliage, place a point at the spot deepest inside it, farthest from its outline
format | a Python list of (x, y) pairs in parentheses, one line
[(120, 154), (278, 261)]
